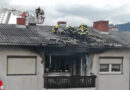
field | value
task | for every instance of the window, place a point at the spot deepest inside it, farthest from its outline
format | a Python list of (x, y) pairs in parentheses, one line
[(56, 64), (110, 65), (116, 68), (104, 67), (21, 66)]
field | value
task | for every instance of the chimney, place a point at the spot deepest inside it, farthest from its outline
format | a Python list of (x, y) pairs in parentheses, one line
[(21, 21), (101, 26), (62, 23)]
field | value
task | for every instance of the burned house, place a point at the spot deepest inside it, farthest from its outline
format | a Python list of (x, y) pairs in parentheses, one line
[(34, 58), (69, 63)]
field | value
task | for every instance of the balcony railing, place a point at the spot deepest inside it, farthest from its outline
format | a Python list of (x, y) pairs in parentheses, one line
[(69, 82)]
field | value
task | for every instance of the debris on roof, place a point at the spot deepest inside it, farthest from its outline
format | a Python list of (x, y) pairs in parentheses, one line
[(96, 39), (42, 35)]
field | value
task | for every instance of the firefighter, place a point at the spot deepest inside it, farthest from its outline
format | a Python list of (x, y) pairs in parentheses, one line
[(38, 10), (83, 28), (41, 12), (65, 31), (55, 29), (70, 31), (82, 32)]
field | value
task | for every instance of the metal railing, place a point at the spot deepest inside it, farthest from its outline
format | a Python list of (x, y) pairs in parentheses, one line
[(69, 82)]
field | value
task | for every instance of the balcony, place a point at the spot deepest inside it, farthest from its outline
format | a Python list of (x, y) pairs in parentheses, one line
[(55, 82)]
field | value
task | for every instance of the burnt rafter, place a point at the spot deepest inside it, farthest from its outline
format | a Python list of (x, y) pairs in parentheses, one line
[(70, 50), (63, 50)]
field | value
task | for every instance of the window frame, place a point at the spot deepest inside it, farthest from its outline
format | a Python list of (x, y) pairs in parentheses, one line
[(120, 65), (104, 64), (110, 66), (22, 57)]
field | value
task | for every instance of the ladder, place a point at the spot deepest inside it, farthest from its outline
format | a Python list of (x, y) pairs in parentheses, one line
[(2, 15)]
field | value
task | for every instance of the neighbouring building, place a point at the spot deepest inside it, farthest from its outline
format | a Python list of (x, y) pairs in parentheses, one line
[(114, 28), (62, 23)]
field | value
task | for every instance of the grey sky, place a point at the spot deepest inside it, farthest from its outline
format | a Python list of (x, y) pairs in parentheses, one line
[(76, 12)]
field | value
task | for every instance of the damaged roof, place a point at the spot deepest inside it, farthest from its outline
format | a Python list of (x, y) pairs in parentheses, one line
[(42, 35), (94, 39)]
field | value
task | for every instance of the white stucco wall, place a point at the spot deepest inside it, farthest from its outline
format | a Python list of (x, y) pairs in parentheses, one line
[(113, 81), (20, 82)]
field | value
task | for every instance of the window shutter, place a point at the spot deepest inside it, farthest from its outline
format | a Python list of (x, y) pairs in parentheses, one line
[(110, 60)]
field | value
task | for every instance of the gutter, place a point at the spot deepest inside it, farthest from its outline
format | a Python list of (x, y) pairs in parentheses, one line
[(19, 44)]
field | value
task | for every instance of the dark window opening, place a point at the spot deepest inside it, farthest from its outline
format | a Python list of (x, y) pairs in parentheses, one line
[(56, 77), (59, 63)]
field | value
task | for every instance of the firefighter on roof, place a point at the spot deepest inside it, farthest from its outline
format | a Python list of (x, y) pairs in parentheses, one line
[(70, 31), (55, 29), (82, 32), (65, 31), (83, 28)]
